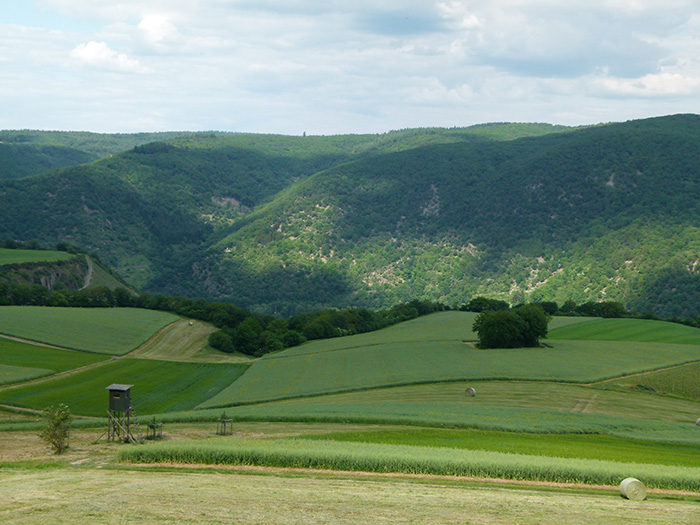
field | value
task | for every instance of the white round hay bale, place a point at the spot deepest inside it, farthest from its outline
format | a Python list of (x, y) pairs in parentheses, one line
[(633, 489), (698, 422), (470, 392)]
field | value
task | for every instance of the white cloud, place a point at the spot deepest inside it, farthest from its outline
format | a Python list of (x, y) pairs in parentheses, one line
[(660, 85), (337, 66), (99, 54)]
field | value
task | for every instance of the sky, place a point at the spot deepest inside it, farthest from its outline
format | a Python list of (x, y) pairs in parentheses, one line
[(331, 67)]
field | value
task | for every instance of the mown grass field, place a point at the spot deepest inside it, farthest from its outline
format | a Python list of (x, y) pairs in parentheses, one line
[(31, 256), (159, 386), (114, 331)]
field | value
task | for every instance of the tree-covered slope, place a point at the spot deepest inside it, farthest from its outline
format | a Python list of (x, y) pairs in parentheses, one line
[(284, 224), (606, 212), (150, 212)]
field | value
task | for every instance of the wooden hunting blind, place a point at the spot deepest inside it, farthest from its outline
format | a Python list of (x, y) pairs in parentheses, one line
[(119, 397), (122, 422)]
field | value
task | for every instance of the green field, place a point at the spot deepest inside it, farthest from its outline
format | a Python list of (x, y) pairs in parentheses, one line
[(433, 349), (682, 381), (159, 386), (391, 401), (639, 330), (31, 361), (427, 460), (31, 256), (114, 331)]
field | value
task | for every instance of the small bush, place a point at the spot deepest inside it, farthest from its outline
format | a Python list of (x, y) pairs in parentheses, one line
[(56, 429)]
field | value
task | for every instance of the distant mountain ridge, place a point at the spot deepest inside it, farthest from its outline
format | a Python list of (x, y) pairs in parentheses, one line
[(284, 224)]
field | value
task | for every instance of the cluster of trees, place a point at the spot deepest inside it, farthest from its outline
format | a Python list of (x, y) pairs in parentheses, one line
[(520, 327), (605, 309), (259, 334)]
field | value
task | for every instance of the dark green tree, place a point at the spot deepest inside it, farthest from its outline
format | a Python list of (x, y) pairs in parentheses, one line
[(520, 327), (221, 341), (499, 329)]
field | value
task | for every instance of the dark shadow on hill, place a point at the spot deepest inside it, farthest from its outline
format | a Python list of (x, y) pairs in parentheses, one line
[(672, 292)]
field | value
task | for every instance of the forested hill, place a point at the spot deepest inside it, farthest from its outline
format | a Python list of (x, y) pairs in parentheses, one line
[(283, 224)]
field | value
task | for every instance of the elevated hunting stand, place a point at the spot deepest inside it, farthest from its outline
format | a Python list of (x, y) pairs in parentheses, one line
[(122, 423)]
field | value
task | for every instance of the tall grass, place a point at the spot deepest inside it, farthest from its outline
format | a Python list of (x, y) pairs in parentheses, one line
[(370, 457)]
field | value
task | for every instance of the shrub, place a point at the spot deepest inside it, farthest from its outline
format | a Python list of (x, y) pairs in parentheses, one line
[(56, 427)]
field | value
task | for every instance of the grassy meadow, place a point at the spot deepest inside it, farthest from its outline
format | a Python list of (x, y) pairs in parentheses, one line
[(391, 401), (113, 331), (437, 348), (32, 361), (8, 256), (159, 386)]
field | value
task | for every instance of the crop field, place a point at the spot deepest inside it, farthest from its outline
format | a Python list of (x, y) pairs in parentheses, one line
[(31, 256), (426, 460), (159, 386), (182, 341), (681, 381), (549, 397), (392, 401), (605, 448), (17, 374), (639, 330), (114, 331), (360, 362), (15, 353)]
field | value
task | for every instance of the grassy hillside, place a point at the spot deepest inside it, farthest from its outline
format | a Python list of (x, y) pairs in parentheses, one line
[(113, 331), (581, 215), (435, 349), (288, 224), (32, 256), (545, 430), (159, 386)]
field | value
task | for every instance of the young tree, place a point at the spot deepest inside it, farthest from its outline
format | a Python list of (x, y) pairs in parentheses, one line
[(57, 420)]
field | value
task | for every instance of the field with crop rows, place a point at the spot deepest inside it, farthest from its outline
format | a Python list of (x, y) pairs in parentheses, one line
[(31, 256), (633, 330), (433, 349), (114, 331), (31, 361), (682, 381), (159, 386), (372, 457), (393, 400)]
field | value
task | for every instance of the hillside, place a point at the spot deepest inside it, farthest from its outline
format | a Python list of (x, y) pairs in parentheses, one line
[(606, 212), (286, 224)]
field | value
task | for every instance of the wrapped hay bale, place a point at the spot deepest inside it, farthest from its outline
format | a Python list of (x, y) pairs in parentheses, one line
[(698, 422), (633, 489), (470, 392)]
